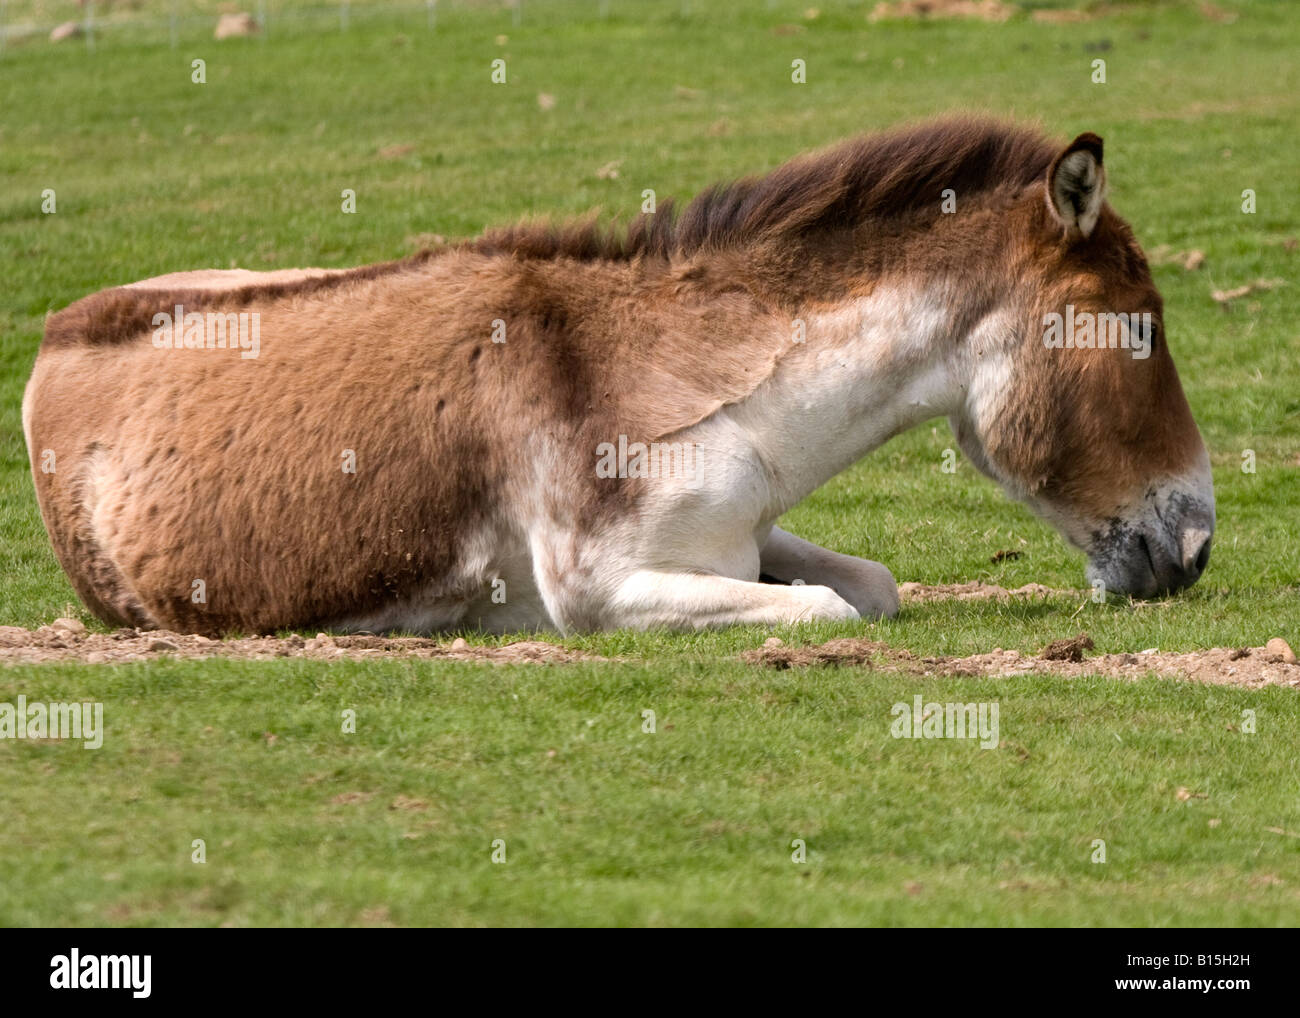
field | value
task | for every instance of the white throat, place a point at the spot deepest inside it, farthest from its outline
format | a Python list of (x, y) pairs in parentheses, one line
[(865, 372)]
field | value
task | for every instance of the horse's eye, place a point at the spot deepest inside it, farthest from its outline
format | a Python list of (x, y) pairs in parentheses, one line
[(1146, 332)]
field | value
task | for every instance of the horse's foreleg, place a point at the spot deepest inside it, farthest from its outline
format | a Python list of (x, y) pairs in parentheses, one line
[(866, 585), (649, 599)]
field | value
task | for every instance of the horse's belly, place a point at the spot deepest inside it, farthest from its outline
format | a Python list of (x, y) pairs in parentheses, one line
[(173, 511)]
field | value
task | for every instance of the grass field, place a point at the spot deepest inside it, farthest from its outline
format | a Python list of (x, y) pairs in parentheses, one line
[(693, 824)]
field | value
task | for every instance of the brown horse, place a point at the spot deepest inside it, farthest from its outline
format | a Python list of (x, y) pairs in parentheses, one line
[(581, 428)]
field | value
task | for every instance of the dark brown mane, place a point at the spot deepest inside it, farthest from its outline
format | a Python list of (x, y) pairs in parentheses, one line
[(879, 175)]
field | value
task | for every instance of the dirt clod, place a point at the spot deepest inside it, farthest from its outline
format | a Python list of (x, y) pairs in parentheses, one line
[(1067, 650)]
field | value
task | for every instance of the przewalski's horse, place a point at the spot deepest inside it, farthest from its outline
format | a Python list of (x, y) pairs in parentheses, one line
[(580, 428)]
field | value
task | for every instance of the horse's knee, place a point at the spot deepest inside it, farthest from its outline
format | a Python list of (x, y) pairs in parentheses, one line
[(874, 592)]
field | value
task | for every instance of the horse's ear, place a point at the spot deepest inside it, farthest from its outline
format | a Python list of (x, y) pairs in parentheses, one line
[(1076, 185)]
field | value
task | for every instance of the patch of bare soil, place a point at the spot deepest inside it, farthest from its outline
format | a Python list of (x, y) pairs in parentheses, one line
[(1191, 259), (1226, 297), (1251, 667), (980, 10), (976, 591), (68, 640)]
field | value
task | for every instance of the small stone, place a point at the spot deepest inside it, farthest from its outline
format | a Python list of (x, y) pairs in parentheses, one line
[(162, 646), (458, 644), (773, 641), (73, 626), (1281, 648)]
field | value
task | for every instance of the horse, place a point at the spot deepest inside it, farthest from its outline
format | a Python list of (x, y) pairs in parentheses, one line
[(579, 426)]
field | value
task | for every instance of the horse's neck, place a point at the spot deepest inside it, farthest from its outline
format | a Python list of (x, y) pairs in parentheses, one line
[(865, 371)]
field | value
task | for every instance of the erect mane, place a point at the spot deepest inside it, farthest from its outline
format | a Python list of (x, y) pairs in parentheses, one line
[(878, 175)]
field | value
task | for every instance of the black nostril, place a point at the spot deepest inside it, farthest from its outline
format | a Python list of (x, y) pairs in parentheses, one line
[(1203, 557)]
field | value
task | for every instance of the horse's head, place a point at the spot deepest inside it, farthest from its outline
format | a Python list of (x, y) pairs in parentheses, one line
[(1074, 404)]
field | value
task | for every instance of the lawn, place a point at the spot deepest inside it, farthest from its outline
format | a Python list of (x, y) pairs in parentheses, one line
[(602, 822)]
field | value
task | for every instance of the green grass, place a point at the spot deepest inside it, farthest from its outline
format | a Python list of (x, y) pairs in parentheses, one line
[(603, 823), (694, 823)]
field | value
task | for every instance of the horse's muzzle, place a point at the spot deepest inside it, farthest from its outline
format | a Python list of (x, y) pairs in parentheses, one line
[(1160, 554)]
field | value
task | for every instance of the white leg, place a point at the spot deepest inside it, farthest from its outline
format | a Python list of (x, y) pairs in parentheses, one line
[(866, 585), (699, 600)]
